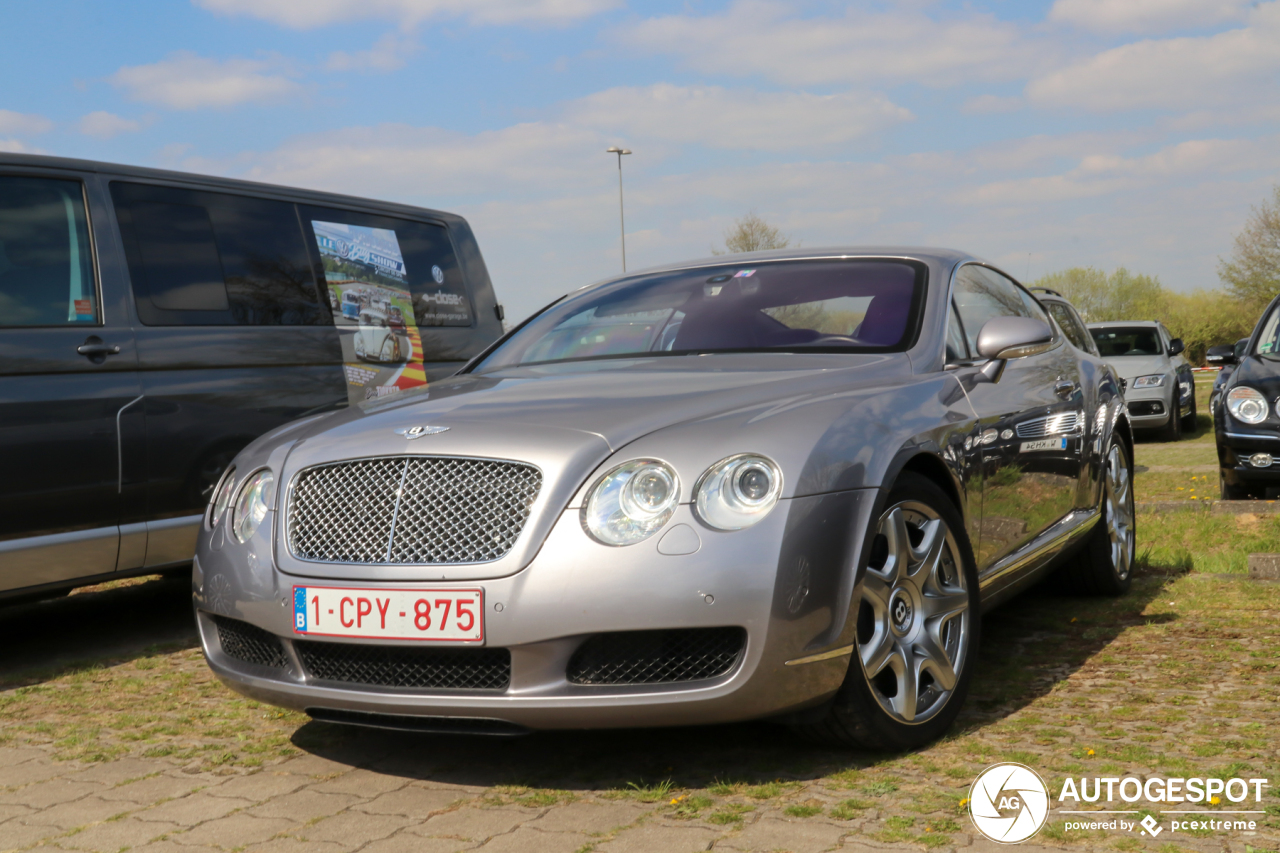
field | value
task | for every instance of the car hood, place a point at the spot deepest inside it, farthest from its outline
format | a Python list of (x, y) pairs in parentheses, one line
[(1130, 366), (1259, 372), (615, 401)]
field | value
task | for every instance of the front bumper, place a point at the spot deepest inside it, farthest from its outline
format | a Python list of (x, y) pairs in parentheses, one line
[(1237, 447), (787, 582), (1149, 408)]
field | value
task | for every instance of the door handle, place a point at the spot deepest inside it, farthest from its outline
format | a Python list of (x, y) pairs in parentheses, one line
[(96, 350), (1064, 387)]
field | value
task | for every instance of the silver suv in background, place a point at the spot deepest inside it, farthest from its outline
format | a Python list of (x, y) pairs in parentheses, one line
[(1160, 385)]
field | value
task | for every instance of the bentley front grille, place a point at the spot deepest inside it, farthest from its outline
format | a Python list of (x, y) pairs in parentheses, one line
[(410, 510), (407, 666), (249, 643), (1060, 424)]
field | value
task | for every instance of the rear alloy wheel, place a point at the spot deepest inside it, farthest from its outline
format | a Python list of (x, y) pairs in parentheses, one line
[(917, 627), (1104, 566)]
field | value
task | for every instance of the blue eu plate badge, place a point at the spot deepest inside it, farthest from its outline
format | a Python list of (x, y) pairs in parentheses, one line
[(300, 608)]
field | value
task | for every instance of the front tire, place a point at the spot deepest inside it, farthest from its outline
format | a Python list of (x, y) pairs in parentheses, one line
[(1230, 492), (1189, 422), (1173, 429), (917, 627), (1104, 565)]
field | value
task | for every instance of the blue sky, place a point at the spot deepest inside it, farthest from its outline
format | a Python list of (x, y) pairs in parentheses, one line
[(1040, 135)]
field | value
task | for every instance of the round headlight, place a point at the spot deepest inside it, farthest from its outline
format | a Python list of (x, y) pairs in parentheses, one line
[(738, 492), (221, 497), (1247, 405), (631, 502), (251, 507)]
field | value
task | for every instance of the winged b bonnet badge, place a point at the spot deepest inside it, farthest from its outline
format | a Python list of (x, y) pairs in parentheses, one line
[(410, 433)]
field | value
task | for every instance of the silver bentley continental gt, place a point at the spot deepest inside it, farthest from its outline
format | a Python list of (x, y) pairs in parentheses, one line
[(780, 485)]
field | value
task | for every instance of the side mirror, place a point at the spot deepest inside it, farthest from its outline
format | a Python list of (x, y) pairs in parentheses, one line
[(1176, 346), (1003, 338), (1222, 354)]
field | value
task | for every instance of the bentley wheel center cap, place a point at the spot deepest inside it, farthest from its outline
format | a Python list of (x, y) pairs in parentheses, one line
[(900, 612)]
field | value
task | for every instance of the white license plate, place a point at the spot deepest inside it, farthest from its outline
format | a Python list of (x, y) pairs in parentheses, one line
[(431, 615), (1043, 444)]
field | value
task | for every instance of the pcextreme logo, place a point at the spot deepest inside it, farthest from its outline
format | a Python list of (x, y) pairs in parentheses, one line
[(1009, 803)]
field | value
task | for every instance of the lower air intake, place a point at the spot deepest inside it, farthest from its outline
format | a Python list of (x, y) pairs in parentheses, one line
[(657, 657), (406, 666), (249, 643)]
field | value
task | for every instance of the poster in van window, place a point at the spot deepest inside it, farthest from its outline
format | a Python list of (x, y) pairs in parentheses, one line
[(369, 293)]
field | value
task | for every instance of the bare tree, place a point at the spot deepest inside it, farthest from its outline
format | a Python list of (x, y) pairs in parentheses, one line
[(1252, 275), (752, 234)]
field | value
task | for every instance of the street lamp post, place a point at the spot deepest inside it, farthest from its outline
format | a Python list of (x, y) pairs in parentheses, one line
[(622, 221)]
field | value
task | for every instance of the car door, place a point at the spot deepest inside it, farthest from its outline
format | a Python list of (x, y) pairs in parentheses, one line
[(70, 423), (1031, 422)]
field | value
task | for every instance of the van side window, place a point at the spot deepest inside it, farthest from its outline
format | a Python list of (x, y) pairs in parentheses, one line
[(364, 256), (202, 258), (46, 263)]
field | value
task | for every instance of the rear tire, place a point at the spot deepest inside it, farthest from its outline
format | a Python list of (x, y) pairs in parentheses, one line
[(918, 621), (1189, 422), (1104, 566)]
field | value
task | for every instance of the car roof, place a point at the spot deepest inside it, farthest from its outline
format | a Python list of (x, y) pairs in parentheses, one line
[(919, 253), (211, 182)]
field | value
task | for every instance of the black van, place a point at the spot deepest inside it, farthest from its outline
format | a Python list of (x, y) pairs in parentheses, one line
[(153, 323)]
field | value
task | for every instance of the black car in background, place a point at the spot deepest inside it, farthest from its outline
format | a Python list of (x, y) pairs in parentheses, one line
[(1246, 413), (1216, 356), (154, 323)]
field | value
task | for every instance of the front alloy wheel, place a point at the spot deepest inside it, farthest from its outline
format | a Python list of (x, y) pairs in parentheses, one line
[(1104, 566), (914, 614), (916, 627)]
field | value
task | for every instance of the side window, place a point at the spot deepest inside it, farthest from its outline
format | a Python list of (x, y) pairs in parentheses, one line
[(957, 350), (1069, 325), (46, 263), (981, 295), (412, 264), (203, 258)]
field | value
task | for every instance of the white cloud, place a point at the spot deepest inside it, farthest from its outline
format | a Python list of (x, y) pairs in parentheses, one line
[(309, 14), (387, 54), (1146, 16), (17, 146), (758, 37), (1237, 66), (23, 124), (735, 118), (991, 104), (105, 125), (185, 81)]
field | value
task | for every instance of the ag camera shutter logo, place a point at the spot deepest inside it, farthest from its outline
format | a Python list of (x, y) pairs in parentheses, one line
[(1009, 803)]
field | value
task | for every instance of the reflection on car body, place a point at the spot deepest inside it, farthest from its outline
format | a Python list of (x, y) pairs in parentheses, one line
[(781, 485)]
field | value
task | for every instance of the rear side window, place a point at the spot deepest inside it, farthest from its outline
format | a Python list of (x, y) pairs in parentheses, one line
[(364, 257), (1070, 325), (46, 262), (203, 258)]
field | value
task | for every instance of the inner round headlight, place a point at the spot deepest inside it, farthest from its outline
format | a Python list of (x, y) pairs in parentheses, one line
[(221, 497), (1247, 405), (631, 502), (738, 492), (251, 507)]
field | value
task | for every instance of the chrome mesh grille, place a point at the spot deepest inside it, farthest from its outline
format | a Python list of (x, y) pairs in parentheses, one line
[(410, 510), (1066, 422), (249, 643), (405, 666)]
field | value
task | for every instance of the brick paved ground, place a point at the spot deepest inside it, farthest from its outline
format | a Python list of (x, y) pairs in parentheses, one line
[(144, 751)]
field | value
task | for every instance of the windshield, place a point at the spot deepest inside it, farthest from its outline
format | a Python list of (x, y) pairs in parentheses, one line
[(1269, 337), (1115, 341), (829, 305)]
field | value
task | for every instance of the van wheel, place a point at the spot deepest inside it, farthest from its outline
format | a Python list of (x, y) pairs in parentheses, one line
[(1104, 566), (917, 627)]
